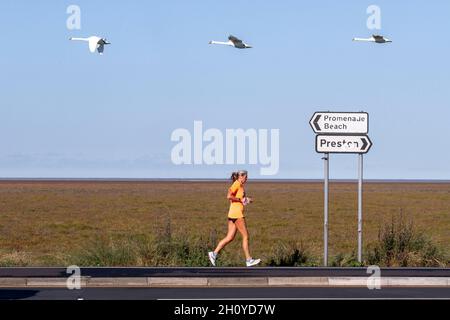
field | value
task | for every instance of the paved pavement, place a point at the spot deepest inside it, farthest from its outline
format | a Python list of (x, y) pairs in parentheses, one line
[(223, 272)]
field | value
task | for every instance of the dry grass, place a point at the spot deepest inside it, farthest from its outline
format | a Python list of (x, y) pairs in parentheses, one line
[(44, 223)]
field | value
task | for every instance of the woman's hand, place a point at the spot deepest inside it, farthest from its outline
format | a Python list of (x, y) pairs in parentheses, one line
[(246, 201)]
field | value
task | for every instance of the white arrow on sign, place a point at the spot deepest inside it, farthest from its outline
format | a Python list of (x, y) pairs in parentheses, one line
[(342, 144), (340, 122)]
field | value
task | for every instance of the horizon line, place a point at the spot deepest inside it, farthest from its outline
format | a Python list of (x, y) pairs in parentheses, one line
[(94, 179)]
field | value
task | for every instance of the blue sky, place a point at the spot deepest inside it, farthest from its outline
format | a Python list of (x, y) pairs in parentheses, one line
[(65, 112)]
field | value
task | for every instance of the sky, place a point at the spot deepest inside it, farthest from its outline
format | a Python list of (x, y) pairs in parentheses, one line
[(68, 113)]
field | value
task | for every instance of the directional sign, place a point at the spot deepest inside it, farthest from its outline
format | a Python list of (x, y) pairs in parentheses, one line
[(340, 122), (342, 144)]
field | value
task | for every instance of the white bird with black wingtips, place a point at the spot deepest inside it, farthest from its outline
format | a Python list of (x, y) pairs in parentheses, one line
[(374, 38), (233, 42), (95, 43)]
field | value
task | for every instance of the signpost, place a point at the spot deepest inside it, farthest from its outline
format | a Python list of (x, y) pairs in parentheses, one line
[(341, 132), (326, 158), (342, 144), (360, 190), (340, 122)]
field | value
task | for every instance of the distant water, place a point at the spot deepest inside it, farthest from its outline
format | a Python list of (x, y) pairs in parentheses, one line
[(220, 180)]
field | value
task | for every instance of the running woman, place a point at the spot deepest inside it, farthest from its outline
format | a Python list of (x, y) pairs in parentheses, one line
[(236, 219)]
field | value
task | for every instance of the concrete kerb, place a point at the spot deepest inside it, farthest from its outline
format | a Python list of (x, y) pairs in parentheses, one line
[(52, 282), (420, 282), (298, 281), (13, 282), (117, 282), (175, 281), (238, 282)]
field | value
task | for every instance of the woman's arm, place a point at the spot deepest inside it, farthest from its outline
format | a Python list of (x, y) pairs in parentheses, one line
[(232, 198)]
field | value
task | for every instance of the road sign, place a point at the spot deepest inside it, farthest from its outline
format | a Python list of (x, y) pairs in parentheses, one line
[(342, 144), (341, 132), (340, 122)]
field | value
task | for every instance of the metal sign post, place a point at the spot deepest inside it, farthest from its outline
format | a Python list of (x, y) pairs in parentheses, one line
[(325, 208), (341, 132), (360, 186)]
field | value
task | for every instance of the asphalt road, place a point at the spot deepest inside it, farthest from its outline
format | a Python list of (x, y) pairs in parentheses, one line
[(222, 293)]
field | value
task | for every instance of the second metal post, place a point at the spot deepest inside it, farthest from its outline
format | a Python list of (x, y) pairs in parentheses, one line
[(325, 221), (360, 191)]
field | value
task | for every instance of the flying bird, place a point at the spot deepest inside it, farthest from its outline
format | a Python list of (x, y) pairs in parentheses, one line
[(233, 42), (95, 43), (375, 38)]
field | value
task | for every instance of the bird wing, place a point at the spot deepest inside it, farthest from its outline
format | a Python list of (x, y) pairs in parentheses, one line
[(378, 37), (101, 48), (234, 39), (93, 43)]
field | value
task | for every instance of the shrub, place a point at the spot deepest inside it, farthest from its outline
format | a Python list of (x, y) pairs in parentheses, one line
[(13, 259), (346, 260), (289, 255), (401, 245), (163, 249), (104, 253)]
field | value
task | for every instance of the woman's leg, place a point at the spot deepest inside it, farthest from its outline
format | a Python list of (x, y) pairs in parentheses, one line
[(242, 227), (229, 237)]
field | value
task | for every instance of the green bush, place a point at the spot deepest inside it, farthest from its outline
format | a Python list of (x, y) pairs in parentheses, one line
[(401, 245), (13, 259), (289, 255), (344, 260), (163, 249), (102, 253)]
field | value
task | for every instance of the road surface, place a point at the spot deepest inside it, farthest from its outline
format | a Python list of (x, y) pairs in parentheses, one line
[(222, 293)]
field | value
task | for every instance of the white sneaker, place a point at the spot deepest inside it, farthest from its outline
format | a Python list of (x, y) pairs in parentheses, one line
[(252, 262), (212, 257)]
